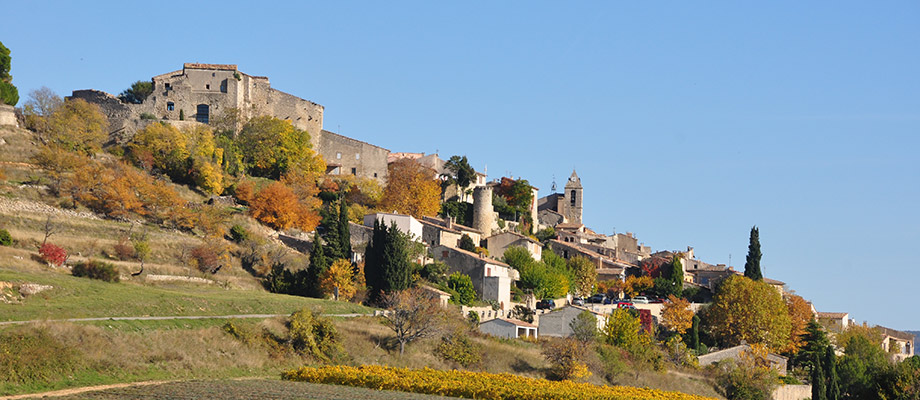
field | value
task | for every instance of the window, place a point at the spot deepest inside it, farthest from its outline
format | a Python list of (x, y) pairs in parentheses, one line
[(170, 106), (354, 171), (573, 197), (208, 86), (203, 113), (375, 174), (223, 86), (213, 74), (357, 156), (168, 86), (338, 156)]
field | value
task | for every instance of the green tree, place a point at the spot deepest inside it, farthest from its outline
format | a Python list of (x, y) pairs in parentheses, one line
[(830, 365), (585, 275), (748, 310), (752, 265), (463, 285), (274, 146), (319, 263), (461, 173), (815, 342), (344, 231), (8, 93), (858, 367), (584, 326), (466, 243), (818, 383), (137, 92), (386, 266), (695, 334)]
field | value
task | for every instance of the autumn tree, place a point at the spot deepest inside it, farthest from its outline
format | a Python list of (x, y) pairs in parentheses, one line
[(748, 310), (58, 163), (584, 274), (272, 147), (752, 265), (412, 314), (39, 105), (338, 280), (676, 315), (411, 189), (635, 285), (621, 328), (800, 315), (8, 93), (78, 126), (277, 206)]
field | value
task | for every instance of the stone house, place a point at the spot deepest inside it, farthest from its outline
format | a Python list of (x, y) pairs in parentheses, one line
[(899, 344), (776, 361), (834, 321), (557, 323), (442, 296), (492, 279), (450, 225), (405, 223), (347, 156), (508, 328), (436, 235), (498, 243)]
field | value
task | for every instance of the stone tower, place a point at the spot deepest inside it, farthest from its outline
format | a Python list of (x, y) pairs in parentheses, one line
[(573, 197), (483, 214)]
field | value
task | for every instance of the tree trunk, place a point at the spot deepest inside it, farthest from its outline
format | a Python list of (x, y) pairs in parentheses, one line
[(402, 347)]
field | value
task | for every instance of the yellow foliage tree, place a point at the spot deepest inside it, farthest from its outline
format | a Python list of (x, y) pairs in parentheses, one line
[(77, 125), (621, 328), (676, 315), (339, 275), (411, 189), (748, 310), (637, 284), (800, 315)]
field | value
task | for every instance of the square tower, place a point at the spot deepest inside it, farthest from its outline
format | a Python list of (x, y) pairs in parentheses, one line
[(573, 199)]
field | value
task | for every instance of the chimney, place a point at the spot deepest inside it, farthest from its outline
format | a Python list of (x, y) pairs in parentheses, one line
[(450, 222)]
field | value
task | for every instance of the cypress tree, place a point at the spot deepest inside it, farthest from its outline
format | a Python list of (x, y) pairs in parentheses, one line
[(695, 334), (344, 232), (330, 225), (373, 262), (752, 265), (318, 265), (676, 275), (396, 269), (818, 388), (830, 365)]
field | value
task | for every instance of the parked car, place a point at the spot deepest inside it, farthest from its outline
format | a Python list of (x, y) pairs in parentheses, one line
[(640, 300), (578, 301), (546, 304), (598, 298)]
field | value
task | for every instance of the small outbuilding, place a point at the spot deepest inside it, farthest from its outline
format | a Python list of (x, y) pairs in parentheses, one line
[(557, 323), (508, 328), (776, 361)]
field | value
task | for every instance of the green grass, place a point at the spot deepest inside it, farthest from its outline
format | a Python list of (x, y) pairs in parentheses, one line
[(74, 297)]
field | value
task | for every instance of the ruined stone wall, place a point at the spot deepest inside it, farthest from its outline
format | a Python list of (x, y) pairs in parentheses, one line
[(123, 118), (354, 157), (8, 115)]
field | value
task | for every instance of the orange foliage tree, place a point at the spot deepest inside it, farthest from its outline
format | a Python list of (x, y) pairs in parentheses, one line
[(747, 310), (411, 189), (800, 315), (279, 207), (676, 315)]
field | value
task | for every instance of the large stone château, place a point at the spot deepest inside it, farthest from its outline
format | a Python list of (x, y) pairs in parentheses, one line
[(198, 93)]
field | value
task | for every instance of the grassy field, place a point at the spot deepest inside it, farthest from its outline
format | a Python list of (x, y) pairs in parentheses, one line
[(245, 389), (74, 297)]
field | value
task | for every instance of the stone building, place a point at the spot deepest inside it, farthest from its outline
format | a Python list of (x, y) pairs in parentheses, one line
[(568, 203), (498, 243), (204, 92), (347, 156), (508, 328), (558, 323), (899, 345), (492, 279)]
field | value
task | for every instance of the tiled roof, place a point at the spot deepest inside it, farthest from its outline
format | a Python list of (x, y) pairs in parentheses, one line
[(517, 322), (832, 315), (896, 334)]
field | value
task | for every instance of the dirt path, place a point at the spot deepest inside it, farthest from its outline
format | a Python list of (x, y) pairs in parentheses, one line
[(148, 318), (72, 391)]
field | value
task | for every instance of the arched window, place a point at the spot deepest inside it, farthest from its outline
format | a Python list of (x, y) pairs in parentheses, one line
[(573, 197), (203, 113)]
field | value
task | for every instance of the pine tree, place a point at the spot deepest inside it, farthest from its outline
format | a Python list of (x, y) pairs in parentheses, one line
[(815, 343), (344, 231), (318, 265), (830, 365), (818, 388), (752, 266)]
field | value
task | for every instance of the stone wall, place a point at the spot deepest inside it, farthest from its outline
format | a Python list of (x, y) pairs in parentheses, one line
[(123, 118), (353, 157), (792, 392), (8, 115)]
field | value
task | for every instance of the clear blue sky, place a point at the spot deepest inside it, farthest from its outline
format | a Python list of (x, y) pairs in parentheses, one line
[(687, 123)]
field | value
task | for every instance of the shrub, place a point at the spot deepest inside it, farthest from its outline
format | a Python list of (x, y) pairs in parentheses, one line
[(95, 269), (52, 254), (463, 285), (239, 234), (473, 318), (5, 238), (564, 357), (124, 251), (141, 249), (148, 116), (457, 347), (31, 354), (313, 336)]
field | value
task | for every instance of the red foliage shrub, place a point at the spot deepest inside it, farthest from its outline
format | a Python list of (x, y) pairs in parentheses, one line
[(52, 254)]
